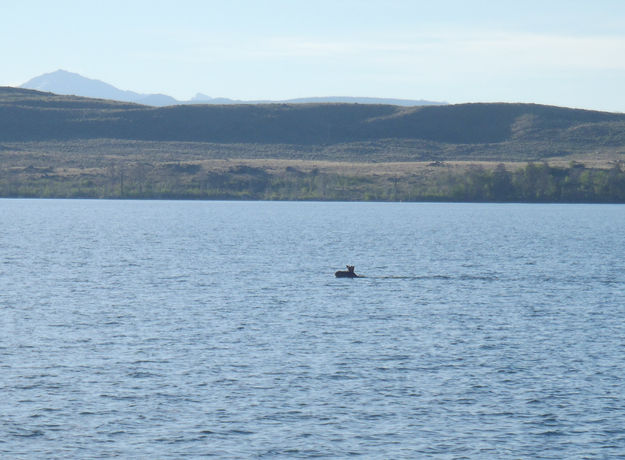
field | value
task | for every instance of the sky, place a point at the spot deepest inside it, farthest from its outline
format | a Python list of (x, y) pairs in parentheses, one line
[(560, 52)]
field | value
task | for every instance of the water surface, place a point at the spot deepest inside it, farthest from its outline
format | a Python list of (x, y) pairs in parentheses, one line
[(194, 329)]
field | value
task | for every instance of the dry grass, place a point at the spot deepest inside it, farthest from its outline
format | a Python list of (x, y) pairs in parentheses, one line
[(108, 157), (391, 169), (279, 166)]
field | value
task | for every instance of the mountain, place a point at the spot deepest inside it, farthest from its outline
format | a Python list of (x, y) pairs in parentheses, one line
[(156, 100), (516, 130), (200, 98), (68, 83), (362, 100)]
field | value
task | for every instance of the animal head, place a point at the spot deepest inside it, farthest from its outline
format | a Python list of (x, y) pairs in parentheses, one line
[(350, 268)]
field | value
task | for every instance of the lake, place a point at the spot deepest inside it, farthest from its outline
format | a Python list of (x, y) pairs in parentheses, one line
[(162, 329)]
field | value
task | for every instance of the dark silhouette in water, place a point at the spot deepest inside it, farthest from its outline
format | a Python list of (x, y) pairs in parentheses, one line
[(346, 274)]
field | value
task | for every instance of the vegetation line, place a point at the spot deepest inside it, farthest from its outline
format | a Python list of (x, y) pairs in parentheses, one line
[(535, 182)]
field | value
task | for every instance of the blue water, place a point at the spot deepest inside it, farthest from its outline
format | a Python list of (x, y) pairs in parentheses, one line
[(196, 329)]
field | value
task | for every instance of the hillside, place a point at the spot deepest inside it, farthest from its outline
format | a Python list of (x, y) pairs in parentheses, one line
[(68, 146), (27, 115)]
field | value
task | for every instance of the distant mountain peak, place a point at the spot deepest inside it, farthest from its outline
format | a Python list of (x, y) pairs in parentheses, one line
[(201, 97), (64, 82), (53, 79), (65, 72), (69, 83)]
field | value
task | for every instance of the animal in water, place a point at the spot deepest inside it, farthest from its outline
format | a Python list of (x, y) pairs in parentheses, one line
[(346, 274)]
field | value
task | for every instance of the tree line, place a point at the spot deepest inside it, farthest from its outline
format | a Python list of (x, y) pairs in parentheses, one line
[(541, 183), (535, 182)]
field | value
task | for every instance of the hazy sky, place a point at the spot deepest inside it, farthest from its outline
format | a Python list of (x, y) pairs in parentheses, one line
[(562, 52)]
